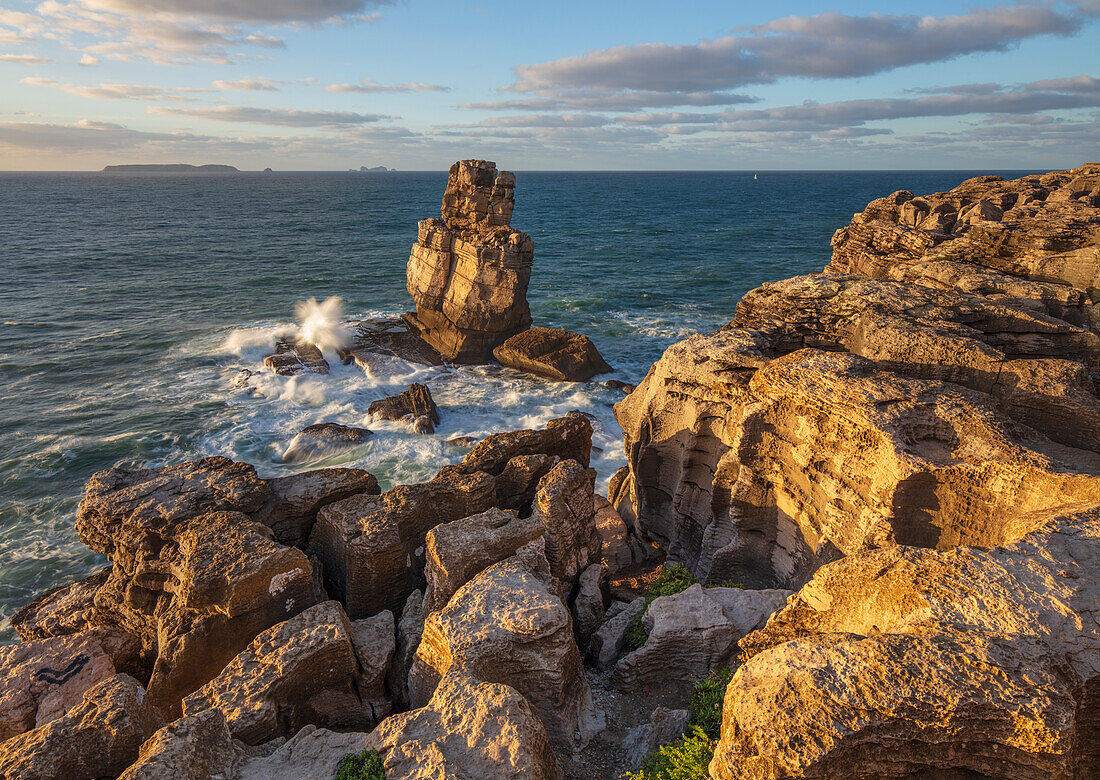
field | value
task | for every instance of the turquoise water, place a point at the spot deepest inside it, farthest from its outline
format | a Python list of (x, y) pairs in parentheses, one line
[(129, 303)]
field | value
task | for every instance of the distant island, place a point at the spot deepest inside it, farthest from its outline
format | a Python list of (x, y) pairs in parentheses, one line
[(170, 168), (376, 169)]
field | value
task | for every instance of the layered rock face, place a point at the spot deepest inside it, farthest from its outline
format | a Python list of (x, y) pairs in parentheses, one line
[(838, 413), (468, 272), (980, 662)]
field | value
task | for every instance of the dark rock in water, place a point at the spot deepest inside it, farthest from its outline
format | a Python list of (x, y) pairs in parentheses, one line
[(379, 346), (296, 357), (461, 442), (415, 403), (322, 439), (552, 353), (615, 384)]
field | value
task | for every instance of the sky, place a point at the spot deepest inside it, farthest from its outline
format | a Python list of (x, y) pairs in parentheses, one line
[(593, 85)]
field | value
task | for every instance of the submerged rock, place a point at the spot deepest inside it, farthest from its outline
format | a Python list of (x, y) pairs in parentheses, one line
[(324, 439), (468, 272), (552, 353), (385, 346), (292, 357), (415, 405)]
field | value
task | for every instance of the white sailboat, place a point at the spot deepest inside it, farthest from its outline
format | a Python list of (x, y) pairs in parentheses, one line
[(754, 177)]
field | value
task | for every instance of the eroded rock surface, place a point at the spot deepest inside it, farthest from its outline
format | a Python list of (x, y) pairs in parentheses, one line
[(414, 403), (196, 747), (905, 661), (552, 353), (292, 357), (468, 272), (323, 439)]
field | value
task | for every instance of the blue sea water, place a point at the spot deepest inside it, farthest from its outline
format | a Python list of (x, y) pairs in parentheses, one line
[(129, 302)]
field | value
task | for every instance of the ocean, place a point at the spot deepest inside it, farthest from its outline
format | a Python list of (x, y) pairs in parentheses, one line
[(130, 302)]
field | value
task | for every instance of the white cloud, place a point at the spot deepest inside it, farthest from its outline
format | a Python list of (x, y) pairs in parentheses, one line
[(284, 117), (111, 91), (248, 85), (370, 87), (23, 59), (88, 60)]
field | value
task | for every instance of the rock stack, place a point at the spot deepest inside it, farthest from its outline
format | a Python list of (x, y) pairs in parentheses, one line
[(468, 271)]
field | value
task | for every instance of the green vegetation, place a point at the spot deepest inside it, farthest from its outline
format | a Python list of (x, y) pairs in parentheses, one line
[(688, 757), (361, 766), (673, 578)]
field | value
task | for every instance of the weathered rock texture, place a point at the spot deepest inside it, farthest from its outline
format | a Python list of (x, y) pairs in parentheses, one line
[(306, 670), (99, 737), (468, 272), (196, 571), (910, 662), (839, 412), (292, 357), (552, 353), (414, 403), (509, 625), (469, 728), (197, 747), (373, 547), (565, 506)]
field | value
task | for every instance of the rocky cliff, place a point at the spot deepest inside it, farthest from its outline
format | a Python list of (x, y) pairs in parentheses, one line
[(468, 272)]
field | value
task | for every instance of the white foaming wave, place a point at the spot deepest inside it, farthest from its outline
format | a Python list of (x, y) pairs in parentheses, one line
[(256, 342), (322, 324)]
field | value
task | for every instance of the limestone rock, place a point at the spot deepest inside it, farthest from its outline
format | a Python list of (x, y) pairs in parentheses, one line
[(664, 726), (414, 403), (908, 662), (292, 357), (509, 625), (409, 629), (44, 678), (304, 670), (98, 737), (568, 438), (607, 643), (311, 754), (291, 509), (375, 643), (197, 747), (386, 346), (468, 272), (590, 604), (552, 353), (66, 609), (468, 729), (323, 439), (564, 505), (460, 550), (614, 549)]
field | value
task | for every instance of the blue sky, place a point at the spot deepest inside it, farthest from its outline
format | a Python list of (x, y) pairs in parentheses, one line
[(416, 84)]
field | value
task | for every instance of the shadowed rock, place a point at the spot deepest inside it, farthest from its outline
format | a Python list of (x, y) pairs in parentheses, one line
[(293, 357), (552, 353), (323, 439), (416, 404)]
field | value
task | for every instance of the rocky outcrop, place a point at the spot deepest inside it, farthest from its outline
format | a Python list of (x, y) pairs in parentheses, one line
[(614, 544), (664, 726), (323, 439), (196, 747), (909, 662), (373, 547), (509, 625), (99, 737), (42, 679), (468, 728), (292, 506), (293, 357), (591, 602), (609, 640), (552, 353), (565, 507), (386, 346), (468, 272), (415, 406), (460, 550), (694, 632), (316, 668), (409, 629), (66, 609), (840, 412)]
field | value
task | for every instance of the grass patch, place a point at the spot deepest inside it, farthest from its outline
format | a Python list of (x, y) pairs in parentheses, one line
[(672, 579), (688, 757), (361, 766)]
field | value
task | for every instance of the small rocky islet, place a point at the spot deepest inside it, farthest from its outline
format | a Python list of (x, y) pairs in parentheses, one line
[(874, 496)]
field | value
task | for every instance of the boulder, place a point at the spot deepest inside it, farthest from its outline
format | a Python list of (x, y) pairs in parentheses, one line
[(468, 272), (608, 642), (614, 547), (66, 609), (321, 440), (409, 629), (293, 357), (904, 662), (469, 728), (43, 679), (306, 670), (311, 754), (552, 353), (385, 346), (568, 438), (694, 632), (460, 550), (98, 737), (664, 726), (564, 505), (590, 604), (415, 403), (292, 507), (508, 625), (197, 747)]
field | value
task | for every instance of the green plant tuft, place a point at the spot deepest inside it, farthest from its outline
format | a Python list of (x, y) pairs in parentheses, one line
[(687, 758), (706, 702), (673, 578), (361, 766)]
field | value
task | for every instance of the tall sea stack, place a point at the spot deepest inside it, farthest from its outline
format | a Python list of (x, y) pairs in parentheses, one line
[(468, 272)]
